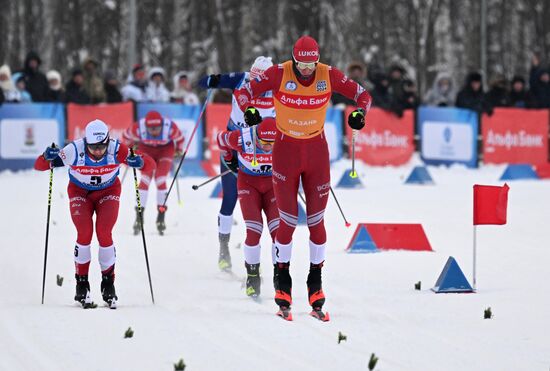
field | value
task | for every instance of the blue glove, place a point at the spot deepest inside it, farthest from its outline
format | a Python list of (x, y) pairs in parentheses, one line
[(135, 161), (51, 153)]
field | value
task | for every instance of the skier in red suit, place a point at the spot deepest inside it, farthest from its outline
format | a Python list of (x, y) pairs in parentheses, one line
[(254, 188), (161, 139), (94, 187), (302, 88)]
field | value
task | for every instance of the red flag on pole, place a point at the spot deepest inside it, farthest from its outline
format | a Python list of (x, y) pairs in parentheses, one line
[(490, 203)]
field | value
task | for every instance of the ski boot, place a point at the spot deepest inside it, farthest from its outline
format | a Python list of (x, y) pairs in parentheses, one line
[(283, 290), (82, 294), (108, 289), (224, 259), (137, 223), (161, 226), (315, 292), (253, 280)]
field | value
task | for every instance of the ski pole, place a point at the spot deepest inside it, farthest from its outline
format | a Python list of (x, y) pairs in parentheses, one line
[(178, 192), (195, 187), (302, 197), (47, 230), (124, 175), (254, 139), (353, 173), (188, 143), (338, 203), (140, 212)]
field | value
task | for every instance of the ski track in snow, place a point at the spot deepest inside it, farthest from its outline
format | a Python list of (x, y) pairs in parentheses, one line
[(204, 317)]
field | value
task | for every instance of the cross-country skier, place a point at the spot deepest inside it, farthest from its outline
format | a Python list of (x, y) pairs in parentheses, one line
[(161, 139), (255, 189), (264, 103), (302, 88), (94, 187)]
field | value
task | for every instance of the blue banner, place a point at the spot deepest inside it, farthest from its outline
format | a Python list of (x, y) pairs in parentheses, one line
[(26, 130), (334, 132), (185, 117), (448, 135)]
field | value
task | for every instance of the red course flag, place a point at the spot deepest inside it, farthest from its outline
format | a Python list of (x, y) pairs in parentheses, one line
[(490, 204)]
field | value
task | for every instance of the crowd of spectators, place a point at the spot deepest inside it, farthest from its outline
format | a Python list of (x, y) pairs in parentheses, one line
[(87, 84), (391, 90)]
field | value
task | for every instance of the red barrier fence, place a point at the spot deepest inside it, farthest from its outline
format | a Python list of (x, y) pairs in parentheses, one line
[(513, 135), (118, 116), (386, 138)]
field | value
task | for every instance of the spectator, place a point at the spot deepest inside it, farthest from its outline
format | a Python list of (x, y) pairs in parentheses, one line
[(156, 90), (472, 97), (396, 75), (519, 96), (23, 96), (381, 96), (442, 93), (182, 90), (57, 93), (498, 95), (9, 92), (135, 89), (35, 81), (74, 90), (409, 99), (540, 87), (93, 83), (112, 93), (358, 73)]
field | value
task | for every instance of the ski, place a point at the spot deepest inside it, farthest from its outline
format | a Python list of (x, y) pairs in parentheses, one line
[(111, 304), (318, 313), (285, 313), (161, 227), (87, 303)]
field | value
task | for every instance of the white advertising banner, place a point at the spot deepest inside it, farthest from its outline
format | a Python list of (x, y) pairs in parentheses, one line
[(26, 138), (447, 141)]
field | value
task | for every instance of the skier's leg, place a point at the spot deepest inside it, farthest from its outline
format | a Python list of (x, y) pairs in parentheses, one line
[(286, 175), (316, 183), (81, 209), (106, 206), (163, 169), (225, 217)]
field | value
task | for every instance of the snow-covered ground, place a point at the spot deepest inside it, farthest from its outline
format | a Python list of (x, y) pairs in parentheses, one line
[(204, 317)]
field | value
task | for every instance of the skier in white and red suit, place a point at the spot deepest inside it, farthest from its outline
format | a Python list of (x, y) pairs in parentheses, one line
[(302, 88), (255, 190), (94, 187), (160, 138)]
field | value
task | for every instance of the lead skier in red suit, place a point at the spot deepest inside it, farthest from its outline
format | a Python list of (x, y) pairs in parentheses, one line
[(302, 88), (254, 188), (94, 187), (161, 139)]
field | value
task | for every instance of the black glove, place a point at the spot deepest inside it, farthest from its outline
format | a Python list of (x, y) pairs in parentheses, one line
[(213, 81), (356, 119), (252, 116), (233, 164)]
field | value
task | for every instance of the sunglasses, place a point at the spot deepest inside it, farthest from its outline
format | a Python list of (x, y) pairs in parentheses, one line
[(265, 142), (97, 146), (304, 65)]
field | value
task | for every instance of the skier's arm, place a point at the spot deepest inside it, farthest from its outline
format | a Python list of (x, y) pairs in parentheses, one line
[(270, 80), (130, 136), (227, 141), (63, 157), (225, 81), (177, 137), (124, 152), (350, 89)]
